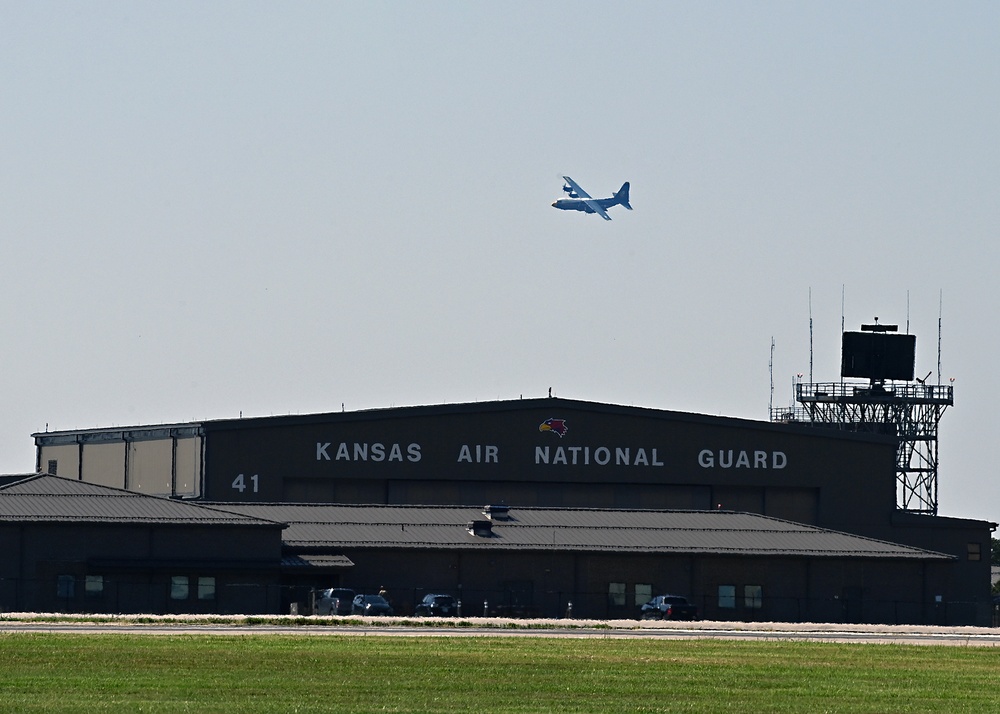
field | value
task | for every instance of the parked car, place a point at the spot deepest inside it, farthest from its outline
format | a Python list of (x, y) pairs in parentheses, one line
[(371, 605), (668, 607), (335, 601), (437, 606)]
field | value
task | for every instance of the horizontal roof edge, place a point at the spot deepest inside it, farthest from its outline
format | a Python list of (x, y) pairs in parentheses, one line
[(118, 433), (721, 551), (139, 432)]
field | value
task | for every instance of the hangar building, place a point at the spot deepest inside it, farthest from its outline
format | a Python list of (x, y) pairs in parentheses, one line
[(553, 454), (75, 546)]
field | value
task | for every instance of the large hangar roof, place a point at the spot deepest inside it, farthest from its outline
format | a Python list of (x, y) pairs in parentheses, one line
[(199, 428), (560, 529), (44, 498)]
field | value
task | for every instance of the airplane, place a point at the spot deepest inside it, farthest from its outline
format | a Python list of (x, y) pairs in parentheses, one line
[(580, 200)]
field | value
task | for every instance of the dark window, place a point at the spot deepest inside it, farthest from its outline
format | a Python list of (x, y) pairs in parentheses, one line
[(616, 594), (206, 588), (643, 593), (753, 597), (66, 586), (93, 585), (974, 551), (53, 466), (727, 597), (179, 589)]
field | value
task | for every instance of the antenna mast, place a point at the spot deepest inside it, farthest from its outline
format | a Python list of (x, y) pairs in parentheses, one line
[(940, 303), (810, 334), (770, 369)]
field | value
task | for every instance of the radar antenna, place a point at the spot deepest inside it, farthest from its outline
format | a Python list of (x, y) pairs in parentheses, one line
[(892, 402)]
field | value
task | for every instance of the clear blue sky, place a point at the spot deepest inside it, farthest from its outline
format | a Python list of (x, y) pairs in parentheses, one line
[(215, 208)]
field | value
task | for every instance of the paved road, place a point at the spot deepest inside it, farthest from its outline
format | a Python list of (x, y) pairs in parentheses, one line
[(957, 636)]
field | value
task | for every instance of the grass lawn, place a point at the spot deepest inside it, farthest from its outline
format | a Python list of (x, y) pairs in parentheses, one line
[(271, 673)]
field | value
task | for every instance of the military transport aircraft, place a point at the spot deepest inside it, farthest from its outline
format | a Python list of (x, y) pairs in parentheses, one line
[(580, 200)]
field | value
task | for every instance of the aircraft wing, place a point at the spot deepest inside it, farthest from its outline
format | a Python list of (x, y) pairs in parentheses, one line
[(599, 209), (576, 187), (594, 204)]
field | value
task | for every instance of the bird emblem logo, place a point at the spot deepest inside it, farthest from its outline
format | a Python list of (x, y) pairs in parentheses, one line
[(556, 426)]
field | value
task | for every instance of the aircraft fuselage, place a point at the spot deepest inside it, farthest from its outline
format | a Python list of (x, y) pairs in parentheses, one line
[(572, 204)]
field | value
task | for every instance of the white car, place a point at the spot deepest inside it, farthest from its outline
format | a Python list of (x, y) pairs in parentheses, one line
[(335, 601)]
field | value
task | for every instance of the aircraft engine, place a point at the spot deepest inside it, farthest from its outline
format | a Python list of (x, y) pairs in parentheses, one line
[(569, 189)]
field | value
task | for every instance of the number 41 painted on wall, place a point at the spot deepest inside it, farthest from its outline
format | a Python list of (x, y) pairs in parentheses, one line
[(240, 483)]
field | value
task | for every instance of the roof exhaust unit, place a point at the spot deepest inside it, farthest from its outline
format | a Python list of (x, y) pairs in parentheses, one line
[(480, 529), (496, 513)]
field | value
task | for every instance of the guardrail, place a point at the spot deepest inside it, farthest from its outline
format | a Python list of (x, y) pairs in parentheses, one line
[(857, 392)]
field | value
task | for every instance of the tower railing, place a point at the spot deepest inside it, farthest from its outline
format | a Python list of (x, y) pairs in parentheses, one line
[(860, 392), (908, 411)]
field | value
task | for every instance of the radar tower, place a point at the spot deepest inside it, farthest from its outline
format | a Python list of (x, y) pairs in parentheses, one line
[(892, 402)]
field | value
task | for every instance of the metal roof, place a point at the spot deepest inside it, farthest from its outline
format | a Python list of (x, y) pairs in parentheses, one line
[(315, 562), (44, 498), (203, 427), (691, 532)]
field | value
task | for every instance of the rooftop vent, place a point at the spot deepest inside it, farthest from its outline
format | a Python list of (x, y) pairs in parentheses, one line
[(496, 513), (481, 529)]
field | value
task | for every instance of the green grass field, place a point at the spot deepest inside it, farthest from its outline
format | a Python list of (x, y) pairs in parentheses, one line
[(250, 673)]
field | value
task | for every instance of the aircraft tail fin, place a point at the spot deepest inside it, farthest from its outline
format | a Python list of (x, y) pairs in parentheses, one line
[(622, 196)]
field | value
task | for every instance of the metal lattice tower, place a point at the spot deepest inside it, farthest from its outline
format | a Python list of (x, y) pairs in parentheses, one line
[(909, 411)]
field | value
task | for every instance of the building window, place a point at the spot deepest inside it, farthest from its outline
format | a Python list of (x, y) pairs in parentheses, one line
[(93, 586), (179, 587), (66, 586), (616, 594), (974, 551), (53, 467), (643, 593), (206, 588), (727, 597), (753, 596)]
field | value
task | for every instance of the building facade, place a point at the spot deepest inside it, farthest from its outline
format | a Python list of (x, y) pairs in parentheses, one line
[(541, 453), (78, 547)]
